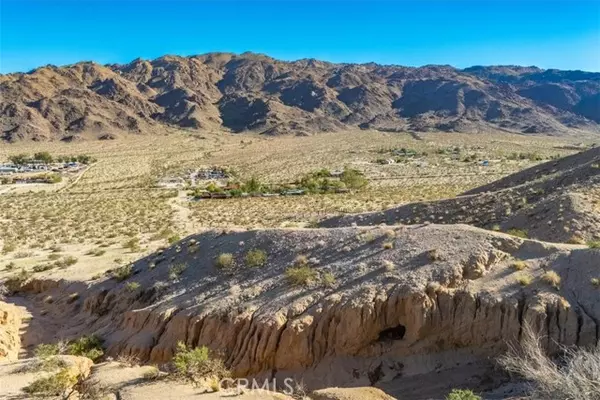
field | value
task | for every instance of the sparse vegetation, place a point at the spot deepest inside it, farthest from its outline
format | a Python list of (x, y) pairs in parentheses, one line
[(132, 286), (122, 273), (58, 384), (176, 270), (575, 377), (301, 275), (522, 233), (524, 279), (86, 346), (518, 265), (192, 365), (462, 394), (551, 278), (256, 258), (224, 261)]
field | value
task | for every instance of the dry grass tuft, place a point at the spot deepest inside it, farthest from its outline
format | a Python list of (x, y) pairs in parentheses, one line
[(575, 377)]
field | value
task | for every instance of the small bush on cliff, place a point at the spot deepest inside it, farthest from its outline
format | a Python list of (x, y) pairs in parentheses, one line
[(462, 394), (522, 233), (122, 273), (574, 376), (86, 346), (193, 365), (551, 278)]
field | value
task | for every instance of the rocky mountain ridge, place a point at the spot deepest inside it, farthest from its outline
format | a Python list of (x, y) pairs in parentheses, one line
[(253, 92)]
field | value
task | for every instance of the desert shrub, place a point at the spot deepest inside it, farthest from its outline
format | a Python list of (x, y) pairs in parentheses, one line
[(176, 270), (122, 273), (522, 233), (574, 376), (69, 260), (462, 394), (224, 261), (132, 286), (551, 278), (388, 265), (194, 364), (54, 385), (256, 258), (524, 279), (594, 244), (132, 244), (328, 279), (151, 374), (44, 351), (595, 282), (388, 245), (8, 247), (173, 238), (86, 346), (10, 266), (300, 275), (518, 265), (353, 179)]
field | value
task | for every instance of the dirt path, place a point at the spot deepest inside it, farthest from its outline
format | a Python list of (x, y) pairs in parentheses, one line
[(182, 217)]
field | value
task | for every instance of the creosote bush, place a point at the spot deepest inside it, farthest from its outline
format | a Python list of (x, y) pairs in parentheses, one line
[(193, 365), (256, 258), (122, 273), (224, 261), (301, 275), (462, 394), (86, 346)]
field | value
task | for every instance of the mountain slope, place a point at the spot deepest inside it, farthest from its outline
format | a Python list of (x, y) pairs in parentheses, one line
[(258, 93)]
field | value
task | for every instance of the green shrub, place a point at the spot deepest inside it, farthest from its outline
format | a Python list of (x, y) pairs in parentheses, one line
[(86, 346), (132, 286), (594, 244), (353, 179), (522, 233), (256, 258), (194, 364), (173, 238), (300, 275), (53, 385), (176, 269), (44, 351), (224, 261), (462, 394), (122, 273)]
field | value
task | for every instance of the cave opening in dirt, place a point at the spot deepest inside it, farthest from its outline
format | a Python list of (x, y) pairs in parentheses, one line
[(394, 333)]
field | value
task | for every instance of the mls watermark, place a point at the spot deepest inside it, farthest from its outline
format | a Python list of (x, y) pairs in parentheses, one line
[(243, 385)]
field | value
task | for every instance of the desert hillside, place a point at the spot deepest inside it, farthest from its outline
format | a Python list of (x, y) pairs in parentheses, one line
[(554, 201), (253, 92)]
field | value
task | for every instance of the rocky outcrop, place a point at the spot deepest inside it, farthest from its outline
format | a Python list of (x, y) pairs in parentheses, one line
[(10, 323), (441, 296)]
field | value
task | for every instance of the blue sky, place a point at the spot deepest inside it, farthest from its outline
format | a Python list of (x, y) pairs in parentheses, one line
[(549, 34)]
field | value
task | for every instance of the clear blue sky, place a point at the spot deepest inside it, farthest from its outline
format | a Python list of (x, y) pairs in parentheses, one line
[(549, 34)]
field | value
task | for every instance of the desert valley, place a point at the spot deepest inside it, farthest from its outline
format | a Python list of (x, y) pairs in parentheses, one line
[(179, 228)]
